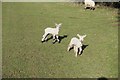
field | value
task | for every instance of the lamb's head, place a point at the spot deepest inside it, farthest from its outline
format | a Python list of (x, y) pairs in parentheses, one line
[(81, 38), (58, 25)]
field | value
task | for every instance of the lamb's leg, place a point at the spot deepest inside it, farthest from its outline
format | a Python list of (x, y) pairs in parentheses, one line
[(90, 8), (93, 8), (69, 46), (85, 8), (80, 50), (54, 39), (76, 50), (44, 37), (57, 38)]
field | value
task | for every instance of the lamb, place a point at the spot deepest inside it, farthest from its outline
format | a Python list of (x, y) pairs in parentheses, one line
[(77, 44), (89, 4), (53, 31)]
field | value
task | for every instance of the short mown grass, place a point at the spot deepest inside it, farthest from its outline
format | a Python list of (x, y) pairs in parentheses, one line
[(24, 56)]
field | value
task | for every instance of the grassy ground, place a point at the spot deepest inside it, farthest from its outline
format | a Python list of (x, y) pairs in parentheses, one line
[(1, 39), (25, 56)]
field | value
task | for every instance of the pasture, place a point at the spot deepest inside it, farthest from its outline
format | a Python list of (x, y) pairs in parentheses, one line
[(24, 56)]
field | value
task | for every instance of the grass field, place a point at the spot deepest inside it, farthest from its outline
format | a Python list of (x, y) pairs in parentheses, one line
[(24, 56)]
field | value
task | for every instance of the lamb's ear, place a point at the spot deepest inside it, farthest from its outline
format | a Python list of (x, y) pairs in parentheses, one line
[(60, 24), (84, 36), (56, 24), (78, 35)]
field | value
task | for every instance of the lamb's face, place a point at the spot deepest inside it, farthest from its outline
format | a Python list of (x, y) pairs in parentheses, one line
[(81, 38), (58, 25)]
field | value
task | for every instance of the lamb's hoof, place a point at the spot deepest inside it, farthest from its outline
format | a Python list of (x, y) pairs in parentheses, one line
[(68, 50), (53, 42), (42, 41)]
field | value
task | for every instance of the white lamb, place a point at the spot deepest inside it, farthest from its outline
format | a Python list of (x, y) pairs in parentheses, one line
[(53, 31), (89, 4), (76, 43)]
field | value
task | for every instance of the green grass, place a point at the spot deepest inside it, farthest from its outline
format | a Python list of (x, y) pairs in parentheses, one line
[(25, 56), (1, 39)]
